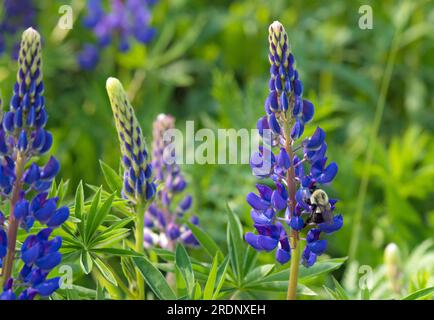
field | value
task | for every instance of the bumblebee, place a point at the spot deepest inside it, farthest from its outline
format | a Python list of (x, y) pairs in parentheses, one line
[(321, 209)]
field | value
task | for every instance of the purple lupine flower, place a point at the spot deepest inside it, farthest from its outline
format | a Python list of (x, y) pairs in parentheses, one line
[(25, 184), (139, 186), (125, 21), (296, 166), (18, 15), (162, 220)]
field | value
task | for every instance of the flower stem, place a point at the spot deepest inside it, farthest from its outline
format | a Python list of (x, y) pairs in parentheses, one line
[(139, 247), (295, 263), (13, 223), (294, 239)]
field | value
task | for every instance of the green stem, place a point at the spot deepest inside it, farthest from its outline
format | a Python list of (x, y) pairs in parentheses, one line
[(295, 263), (139, 247), (357, 223), (294, 234), (13, 223)]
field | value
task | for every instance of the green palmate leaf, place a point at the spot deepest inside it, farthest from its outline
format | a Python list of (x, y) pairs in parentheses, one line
[(113, 180), (96, 217), (221, 274), (420, 294), (210, 283), (154, 279), (183, 263), (105, 271), (235, 243), (86, 262), (90, 215), (205, 241)]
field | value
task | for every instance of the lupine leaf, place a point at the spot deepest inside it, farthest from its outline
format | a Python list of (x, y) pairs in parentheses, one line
[(79, 207), (182, 261), (306, 274), (221, 274), (235, 243), (97, 217), (105, 271), (258, 273), (117, 252), (339, 290), (319, 268), (420, 294), (249, 259), (197, 291), (181, 284), (114, 182), (365, 294), (86, 262), (106, 238), (100, 292), (154, 279), (210, 283), (128, 268), (205, 241), (91, 213)]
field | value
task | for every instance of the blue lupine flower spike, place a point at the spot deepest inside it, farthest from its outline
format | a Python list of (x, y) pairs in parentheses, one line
[(163, 226), (296, 166), (26, 185), (139, 186)]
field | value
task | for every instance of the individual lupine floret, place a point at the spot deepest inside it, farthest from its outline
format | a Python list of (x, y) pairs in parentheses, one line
[(125, 21), (138, 181), (25, 184), (17, 16), (162, 226), (296, 168)]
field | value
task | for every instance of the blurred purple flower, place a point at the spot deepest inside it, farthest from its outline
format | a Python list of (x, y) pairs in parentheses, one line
[(17, 16), (162, 226), (125, 22)]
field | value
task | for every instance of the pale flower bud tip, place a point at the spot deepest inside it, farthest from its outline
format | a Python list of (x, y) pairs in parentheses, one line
[(112, 84)]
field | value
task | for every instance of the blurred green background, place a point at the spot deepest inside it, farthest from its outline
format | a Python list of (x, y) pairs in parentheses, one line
[(208, 62)]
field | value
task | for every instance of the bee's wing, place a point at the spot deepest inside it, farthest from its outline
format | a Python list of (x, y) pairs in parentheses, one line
[(327, 215)]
